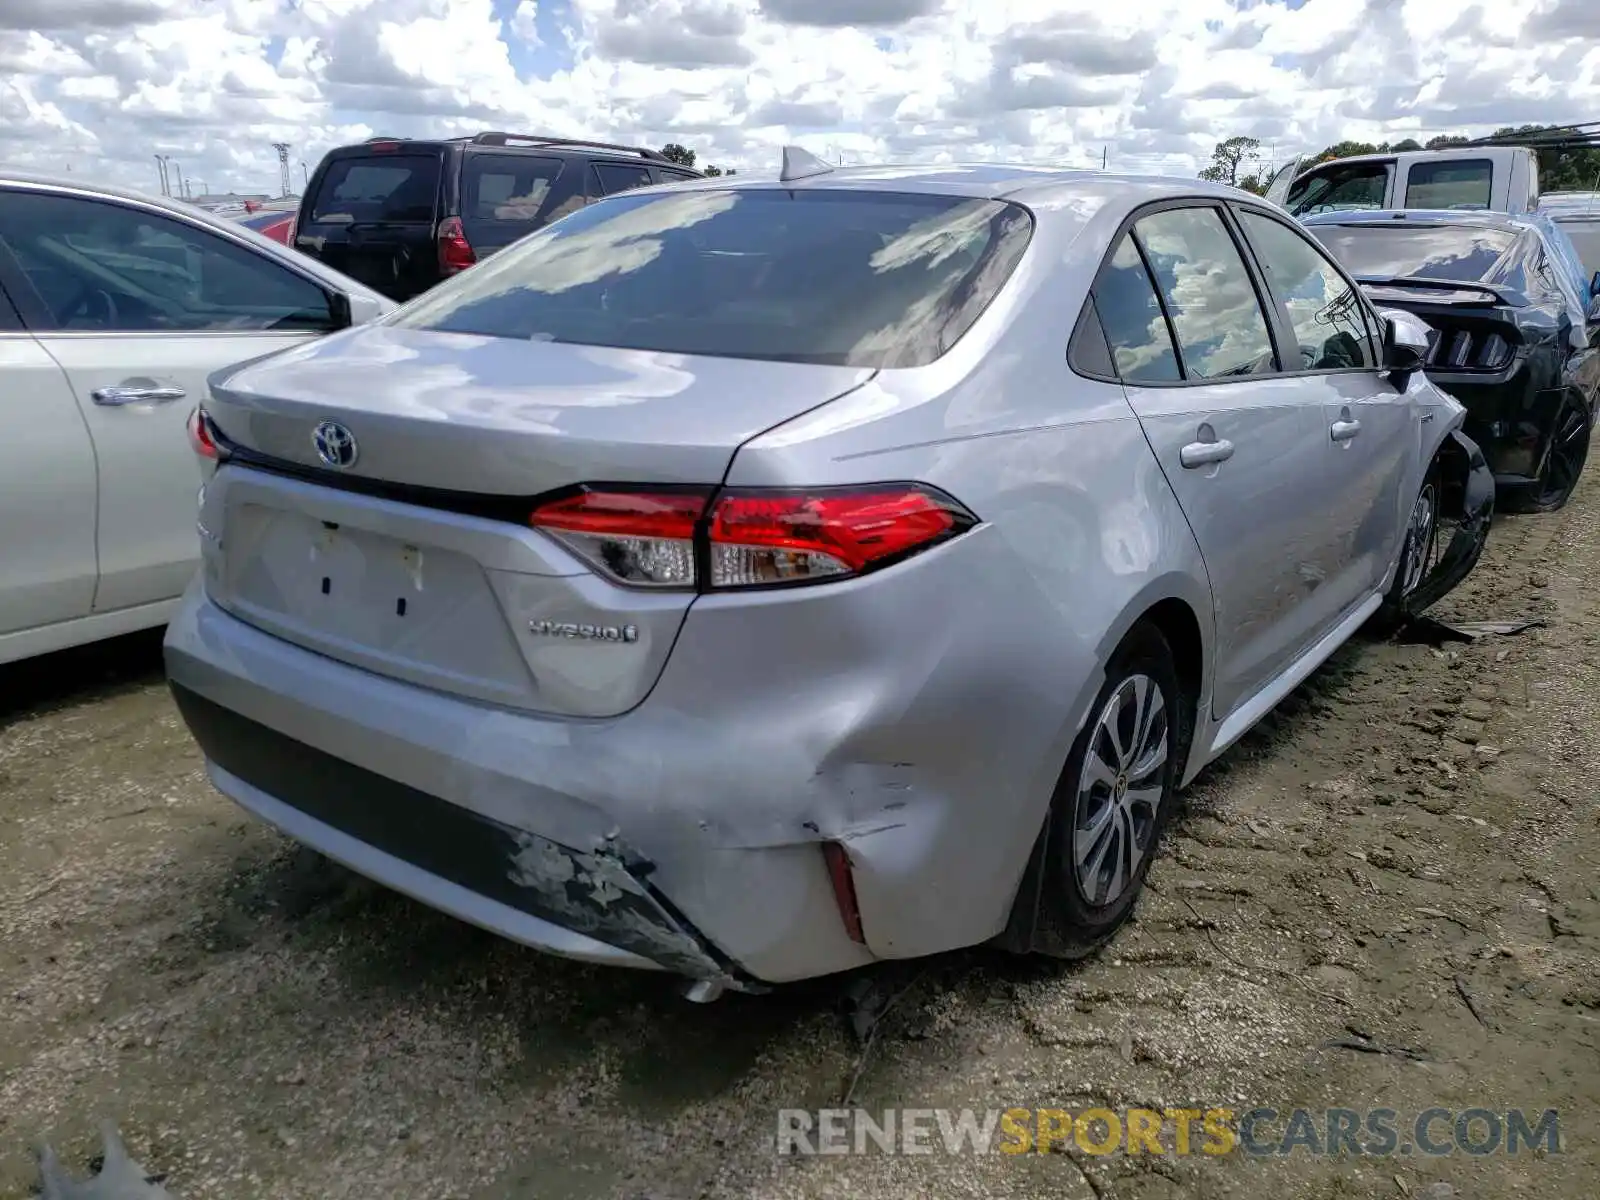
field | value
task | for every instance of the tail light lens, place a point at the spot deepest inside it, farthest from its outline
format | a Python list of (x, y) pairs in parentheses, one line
[(750, 538), (203, 437), (455, 252), (642, 538)]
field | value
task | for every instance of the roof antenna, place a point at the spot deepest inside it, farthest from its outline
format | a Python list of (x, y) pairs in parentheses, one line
[(801, 164)]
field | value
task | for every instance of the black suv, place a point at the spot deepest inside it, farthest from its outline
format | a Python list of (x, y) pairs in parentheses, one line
[(401, 215)]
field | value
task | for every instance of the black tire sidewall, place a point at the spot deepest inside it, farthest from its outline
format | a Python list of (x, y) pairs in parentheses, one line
[(1146, 652), (1542, 499)]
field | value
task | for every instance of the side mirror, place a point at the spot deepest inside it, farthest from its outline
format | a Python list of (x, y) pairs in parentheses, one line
[(1405, 342), (364, 308)]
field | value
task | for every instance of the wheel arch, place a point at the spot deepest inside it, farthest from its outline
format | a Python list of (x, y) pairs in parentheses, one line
[(1173, 606)]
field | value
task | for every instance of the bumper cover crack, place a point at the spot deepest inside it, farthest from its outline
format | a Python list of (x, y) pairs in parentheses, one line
[(602, 893)]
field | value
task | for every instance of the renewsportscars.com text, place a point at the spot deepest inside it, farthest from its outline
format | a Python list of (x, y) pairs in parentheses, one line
[(1258, 1132)]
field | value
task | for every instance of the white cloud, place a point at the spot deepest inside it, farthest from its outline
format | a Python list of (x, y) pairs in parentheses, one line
[(101, 86)]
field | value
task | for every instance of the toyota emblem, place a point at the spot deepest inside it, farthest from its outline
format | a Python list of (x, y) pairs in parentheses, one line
[(335, 445)]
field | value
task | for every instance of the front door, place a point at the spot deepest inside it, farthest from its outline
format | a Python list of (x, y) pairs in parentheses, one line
[(1372, 435), (1237, 440), (138, 308)]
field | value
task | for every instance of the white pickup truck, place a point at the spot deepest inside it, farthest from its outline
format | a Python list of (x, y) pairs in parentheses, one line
[(1496, 178)]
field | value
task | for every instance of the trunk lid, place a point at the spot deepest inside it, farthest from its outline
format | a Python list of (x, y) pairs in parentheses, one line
[(414, 560)]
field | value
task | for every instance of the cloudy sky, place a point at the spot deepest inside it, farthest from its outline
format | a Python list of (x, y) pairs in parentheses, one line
[(97, 87)]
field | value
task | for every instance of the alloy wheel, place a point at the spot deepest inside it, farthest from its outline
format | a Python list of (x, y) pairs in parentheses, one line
[(1120, 789), (1422, 536), (1569, 449)]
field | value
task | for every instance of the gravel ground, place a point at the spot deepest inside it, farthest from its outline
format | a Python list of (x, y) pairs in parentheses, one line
[(1405, 855)]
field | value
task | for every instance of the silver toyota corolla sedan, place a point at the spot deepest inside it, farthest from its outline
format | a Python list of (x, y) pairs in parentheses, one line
[(759, 578)]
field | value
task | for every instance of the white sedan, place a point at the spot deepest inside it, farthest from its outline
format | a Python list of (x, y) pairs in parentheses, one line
[(115, 307)]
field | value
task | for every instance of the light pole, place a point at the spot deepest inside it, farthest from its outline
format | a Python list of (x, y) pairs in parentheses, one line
[(183, 188), (283, 166), (162, 161), (305, 174)]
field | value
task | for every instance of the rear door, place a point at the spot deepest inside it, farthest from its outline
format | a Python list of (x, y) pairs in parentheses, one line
[(1240, 443), (138, 307), (372, 212), (1374, 434), (47, 486)]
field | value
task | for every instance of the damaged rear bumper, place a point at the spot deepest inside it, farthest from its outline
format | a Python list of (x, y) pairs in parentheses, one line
[(513, 823), (595, 906)]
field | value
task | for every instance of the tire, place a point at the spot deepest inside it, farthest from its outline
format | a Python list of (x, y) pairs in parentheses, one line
[(1416, 555), (1076, 914), (1563, 464)]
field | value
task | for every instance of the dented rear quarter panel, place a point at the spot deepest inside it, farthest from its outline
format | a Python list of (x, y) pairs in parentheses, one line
[(955, 701)]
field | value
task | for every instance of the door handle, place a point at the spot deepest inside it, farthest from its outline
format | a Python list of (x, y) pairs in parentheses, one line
[(1343, 431), (113, 397), (1200, 454)]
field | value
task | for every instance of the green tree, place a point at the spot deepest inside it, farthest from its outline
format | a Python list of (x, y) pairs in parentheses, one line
[(1561, 169), (1256, 183), (712, 171), (682, 155), (1229, 157)]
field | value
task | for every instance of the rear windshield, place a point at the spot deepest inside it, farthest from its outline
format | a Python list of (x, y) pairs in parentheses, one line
[(1585, 239), (847, 278), (504, 193), (1449, 184), (1461, 253), (386, 187)]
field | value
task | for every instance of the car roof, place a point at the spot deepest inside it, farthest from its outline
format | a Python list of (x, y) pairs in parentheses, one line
[(1022, 182), (530, 144), (1442, 154), (1400, 217), (1570, 206), (235, 230)]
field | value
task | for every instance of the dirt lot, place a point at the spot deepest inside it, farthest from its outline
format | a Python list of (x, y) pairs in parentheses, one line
[(1405, 857)]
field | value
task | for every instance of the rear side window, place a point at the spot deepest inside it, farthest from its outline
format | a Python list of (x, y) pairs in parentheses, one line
[(1208, 293), (505, 189), (619, 177), (1449, 184), (1126, 301), (847, 278), (389, 187)]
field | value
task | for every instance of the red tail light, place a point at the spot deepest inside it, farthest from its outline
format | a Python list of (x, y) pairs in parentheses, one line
[(641, 538), (844, 890), (455, 252), (750, 538), (202, 438)]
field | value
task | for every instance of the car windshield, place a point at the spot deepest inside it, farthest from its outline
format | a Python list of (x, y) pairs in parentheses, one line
[(1585, 238), (829, 276), (388, 187), (1466, 253)]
